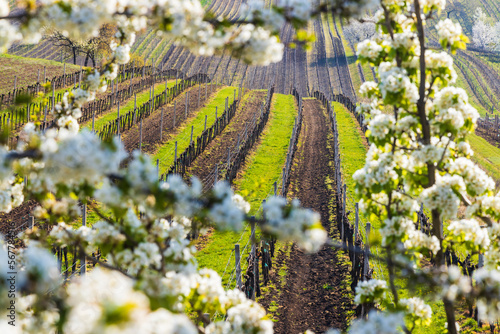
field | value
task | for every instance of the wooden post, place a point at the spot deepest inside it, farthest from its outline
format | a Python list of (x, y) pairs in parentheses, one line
[(140, 136), (32, 222), (192, 129), (421, 215), (253, 257), (206, 91), (161, 125), (118, 120), (187, 101), (83, 260), (175, 105), (356, 226), (205, 123), (275, 186), (367, 252), (344, 191), (175, 154), (45, 116), (199, 93), (238, 265), (283, 180), (44, 74), (158, 168), (93, 120)]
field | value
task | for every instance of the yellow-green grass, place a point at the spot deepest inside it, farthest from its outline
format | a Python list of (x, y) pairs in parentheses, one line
[(263, 168), (26, 70), (125, 108), (486, 155), (166, 153)]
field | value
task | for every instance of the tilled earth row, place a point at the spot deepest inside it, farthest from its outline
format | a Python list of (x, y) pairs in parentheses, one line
[(314, 296)]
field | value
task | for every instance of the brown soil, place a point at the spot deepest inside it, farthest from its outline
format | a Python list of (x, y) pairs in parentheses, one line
[(314, 297), (18, 216), (216, 152), (151, 125)]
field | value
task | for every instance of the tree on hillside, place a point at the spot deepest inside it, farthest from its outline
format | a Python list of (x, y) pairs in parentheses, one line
[(485, 35), (96, 48), (357, 31), (73, 46)]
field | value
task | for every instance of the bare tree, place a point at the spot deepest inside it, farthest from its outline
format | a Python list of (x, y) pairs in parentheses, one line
[(358, 31), (71, 45), (98, 47)]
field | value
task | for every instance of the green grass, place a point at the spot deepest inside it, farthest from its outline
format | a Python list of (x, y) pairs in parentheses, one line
[(125, 108), (352, 151), (486, 155), (263, 168), (166, 152)]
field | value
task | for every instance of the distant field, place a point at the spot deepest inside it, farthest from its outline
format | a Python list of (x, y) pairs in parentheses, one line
[(26, 70)]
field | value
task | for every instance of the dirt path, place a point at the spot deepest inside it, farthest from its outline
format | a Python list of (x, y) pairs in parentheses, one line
[(216, 152), (314, 296)]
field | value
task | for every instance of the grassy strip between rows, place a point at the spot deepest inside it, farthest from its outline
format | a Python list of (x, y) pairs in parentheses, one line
[(353, 155), (128, 106), (166, 152), (486, 155), (263, 168)]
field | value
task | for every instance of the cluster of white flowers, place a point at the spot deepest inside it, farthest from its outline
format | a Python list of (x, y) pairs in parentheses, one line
[(468, 231), (246, 317), (300, 225), (453, 284), (476, 180), (452, 107), (256, 9), (381, 125), (395, 80), (369, 49), (417, 308), (488, 301), (372, 291), (417, 239), (379, 168), (433, 4), (379, 322), (257, 45), (425, 154), (75, 158), (11, 194), (105, 301), (449, 32), (8, 32), (441, 61), (442, 196), (229, 213), (395, 229)]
